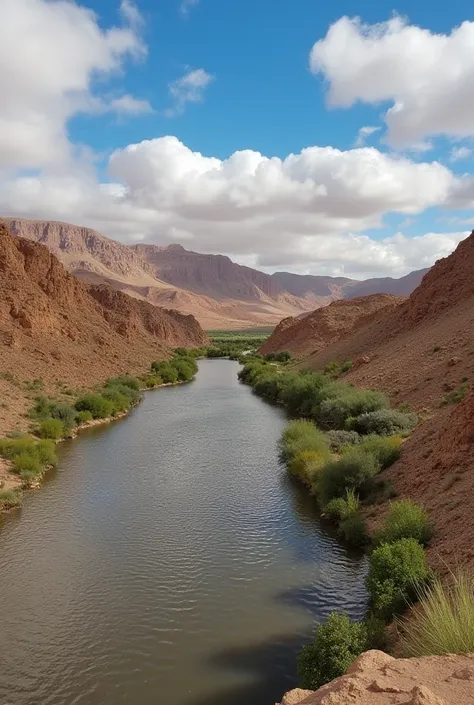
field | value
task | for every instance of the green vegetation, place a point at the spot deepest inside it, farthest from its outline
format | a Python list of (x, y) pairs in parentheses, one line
[(29, 456), (52, 429), (456, 395), (384, 422), (336, 644), (9, 499), (405, 520), (299, 436), (355, 470), (444, 620), (385, 449), (397, 571), (340, 440)]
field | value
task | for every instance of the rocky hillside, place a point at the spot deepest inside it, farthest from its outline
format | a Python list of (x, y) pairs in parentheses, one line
[(219, 292), (424, 349), (328, 324), (378, 679), (52, 327)]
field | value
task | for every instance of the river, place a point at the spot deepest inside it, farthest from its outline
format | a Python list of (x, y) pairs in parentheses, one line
[(168, 560)]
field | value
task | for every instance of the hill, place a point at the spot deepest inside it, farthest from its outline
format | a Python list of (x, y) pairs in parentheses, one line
[(52, 327), (424, 348), (219, 292), (328, 324)]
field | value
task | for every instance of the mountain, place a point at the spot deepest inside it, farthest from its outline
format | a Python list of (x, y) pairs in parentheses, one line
[(424, 347), (53, 327), (324, 326), (219, 292)]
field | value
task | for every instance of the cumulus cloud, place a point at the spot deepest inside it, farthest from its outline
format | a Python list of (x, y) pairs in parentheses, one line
[(306, 212), (50, 53), (364, 133), (428, 77), (190, 88)]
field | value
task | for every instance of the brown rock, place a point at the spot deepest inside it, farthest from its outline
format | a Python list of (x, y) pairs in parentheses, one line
[(454, 361), (421, 695), (294, 697)]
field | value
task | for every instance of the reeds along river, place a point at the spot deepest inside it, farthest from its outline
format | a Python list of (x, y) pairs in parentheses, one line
[(168, 560)]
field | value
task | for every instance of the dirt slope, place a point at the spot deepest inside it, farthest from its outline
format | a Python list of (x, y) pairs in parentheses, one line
[(219, 292), (326, 325), (378, 679), (52, 327), (424, 348)]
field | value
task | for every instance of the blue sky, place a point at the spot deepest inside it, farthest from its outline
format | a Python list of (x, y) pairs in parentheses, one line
[(220, 77)]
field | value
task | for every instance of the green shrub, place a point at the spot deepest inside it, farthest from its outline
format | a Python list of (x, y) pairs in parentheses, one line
[(332, 369), (42, 408), (307, 465), (51, 428), (167, 372), (99, 407), (339, 440), (352, 402), (405, 520), (301, 435), (443, 622), (341, 508), (66, 414), (354, 471), (124, 381), (11, 447), (45, 451), (384, 422), (152, 381), (456, 396), (397, 570), (83, 417), (353, 529), (27, 462), (337, 643), (346, 366), (120, 403), (386, 449), (9, 499)]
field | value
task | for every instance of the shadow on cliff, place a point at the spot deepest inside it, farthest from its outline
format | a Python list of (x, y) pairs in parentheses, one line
[(265, 665)]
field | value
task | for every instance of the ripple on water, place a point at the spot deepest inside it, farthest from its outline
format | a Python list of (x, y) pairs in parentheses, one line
[(169, 560)]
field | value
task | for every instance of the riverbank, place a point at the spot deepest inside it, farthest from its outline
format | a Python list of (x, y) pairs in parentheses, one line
[(25, 459)]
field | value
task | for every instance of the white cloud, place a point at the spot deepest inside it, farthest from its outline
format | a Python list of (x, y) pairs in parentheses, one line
[(50, 52), (186, 5), (131, 13), (128, 105), (364, 133), (190, 88), (459, 153), (306, 212), (429, 78)]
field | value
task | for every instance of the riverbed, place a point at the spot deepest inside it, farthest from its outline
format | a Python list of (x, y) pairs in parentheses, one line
[(169, 560)]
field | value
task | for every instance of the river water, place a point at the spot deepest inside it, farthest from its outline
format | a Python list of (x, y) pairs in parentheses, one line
[(168, 560)]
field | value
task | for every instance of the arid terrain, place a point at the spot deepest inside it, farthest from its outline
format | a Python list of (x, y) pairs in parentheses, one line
[(218, 292), (53, 328), (378, 679)]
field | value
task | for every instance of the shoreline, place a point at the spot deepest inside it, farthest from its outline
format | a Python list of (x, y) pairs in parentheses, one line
[(10, 481)]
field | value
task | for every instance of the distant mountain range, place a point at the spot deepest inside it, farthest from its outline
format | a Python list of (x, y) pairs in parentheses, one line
[(219, 292)]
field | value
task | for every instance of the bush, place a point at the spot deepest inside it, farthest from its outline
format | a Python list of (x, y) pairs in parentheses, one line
[(443, 622), (167, 372), (332, 369), (27, 462), (301, 435), (353, 529), (51, 428), (339, 440), (341, 508), (405, 520), (152, 381), (99, 407), (397, 570), (456, 395), (83, 417), (354, 471), (346, 366), (351, 402), (386, 449), (307, 465), (384, 422), (66, 414), (45, 450), (124, 381), (9, 499), (337, 643)]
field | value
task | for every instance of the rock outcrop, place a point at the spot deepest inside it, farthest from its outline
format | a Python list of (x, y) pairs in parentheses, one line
[(378, 679)]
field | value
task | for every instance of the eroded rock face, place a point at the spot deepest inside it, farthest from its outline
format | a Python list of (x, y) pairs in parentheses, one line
[(378, 679)]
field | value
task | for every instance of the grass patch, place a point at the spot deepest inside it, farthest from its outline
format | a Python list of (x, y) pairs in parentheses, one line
[(443, 623), (9, 499), (405, 520)]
